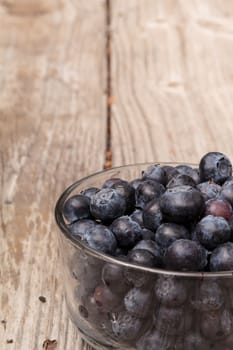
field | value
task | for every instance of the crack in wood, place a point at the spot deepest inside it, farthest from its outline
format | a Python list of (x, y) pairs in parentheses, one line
[(110, 98)]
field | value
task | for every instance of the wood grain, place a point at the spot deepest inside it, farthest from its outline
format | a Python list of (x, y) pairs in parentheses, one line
[(170, 94), (172, 78), (53, 82)]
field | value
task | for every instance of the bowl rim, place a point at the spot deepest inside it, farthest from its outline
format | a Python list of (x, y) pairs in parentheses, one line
[(77, 243)]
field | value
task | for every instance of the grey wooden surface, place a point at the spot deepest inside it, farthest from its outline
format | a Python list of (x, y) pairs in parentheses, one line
[(83, 86)]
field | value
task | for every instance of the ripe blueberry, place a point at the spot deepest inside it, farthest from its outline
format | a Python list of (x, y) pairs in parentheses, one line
[(155, 172), (138, 301), (80, 227), (212, 231), (146, 191), (216, 166), (181, 180), (76, 207), (218, 207), (89, 192), (167, 233), (209, 189), (222, 258), (101, 239), (152, 216), (153, 248), (181, 204), (188, 170), (227, 191), (185, 255), (107, 205), (170, 291), (105, 299), (126, 327), (126, 231)]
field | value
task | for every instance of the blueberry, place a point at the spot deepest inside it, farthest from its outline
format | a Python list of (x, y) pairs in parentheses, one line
[(136, 182), (194, 341), (151, 247), (142, 257), (170, 172), (76, 266), (146, 191), (105, 299), (185, 255), (138, 302), (89, 192), (148, 234), (230, 223), (181, 180), (107, 205), (120, 252), (218, 207), (85, 272), (110, 182), (167, 233), (137, 216), (227, 191), (127, 192), (80, 227), (226, 344), (113, 278), (212, 231), (152, 216), (216, 325), (155, 172), (139, 257), (137, 278), (172, 321), (76, 207), (126, 231), (92, 313), (126, 327), (209, 189), (170, 291), (182, 204), (222, 258), (216, 166), (154, 340), (188, 170), (101, 239), (84, 290), (207, 297)]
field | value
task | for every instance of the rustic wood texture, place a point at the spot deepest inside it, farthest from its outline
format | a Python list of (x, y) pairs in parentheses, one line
[(168, 78), (53, 82), (172, 78)]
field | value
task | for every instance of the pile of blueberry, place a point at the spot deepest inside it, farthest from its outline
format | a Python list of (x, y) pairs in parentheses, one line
[(173, 218)]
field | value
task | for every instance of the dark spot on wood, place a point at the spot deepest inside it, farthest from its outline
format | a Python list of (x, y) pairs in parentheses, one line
[(42, 299), (50, 344), (10, 341), (8, 202), (3, 322)]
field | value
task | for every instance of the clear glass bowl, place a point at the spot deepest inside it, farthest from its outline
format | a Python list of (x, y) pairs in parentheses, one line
[(175, 310)]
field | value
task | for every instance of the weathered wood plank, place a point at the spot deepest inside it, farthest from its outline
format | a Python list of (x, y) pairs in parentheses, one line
[(172, 78), (52, 92)]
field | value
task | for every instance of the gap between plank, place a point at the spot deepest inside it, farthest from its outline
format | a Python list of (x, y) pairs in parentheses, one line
[(108, 151)]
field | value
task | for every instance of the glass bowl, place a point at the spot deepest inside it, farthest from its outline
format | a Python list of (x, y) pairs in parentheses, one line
[(149, 308)]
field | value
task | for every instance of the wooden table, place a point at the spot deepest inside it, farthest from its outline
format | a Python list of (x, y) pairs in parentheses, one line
[(81, 81)]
